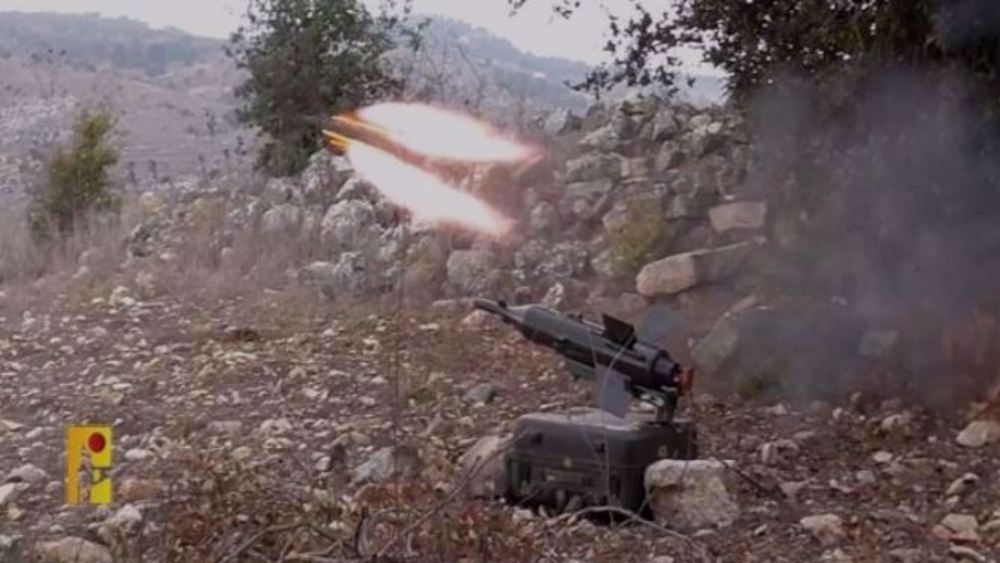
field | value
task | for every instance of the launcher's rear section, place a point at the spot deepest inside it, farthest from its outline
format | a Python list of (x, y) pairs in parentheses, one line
[(588, 457)]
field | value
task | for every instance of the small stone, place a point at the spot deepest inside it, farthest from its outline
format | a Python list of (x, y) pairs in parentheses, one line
[(662, 559), (827, 528), (225, 427), (122, 523), (136, 490), (965, 553), (962, 527), (777, 452), (382, 465), (137, 454), (865, 477), (882, 456), (27, 473), (791, 489), (9, 492), (482, 393), (962, 484), (73, 550), (979, 433), (242, 453), (896, 423)]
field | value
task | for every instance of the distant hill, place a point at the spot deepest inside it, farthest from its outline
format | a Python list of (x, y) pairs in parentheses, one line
[(90, 41)]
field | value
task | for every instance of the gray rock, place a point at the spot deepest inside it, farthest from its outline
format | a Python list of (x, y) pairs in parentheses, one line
[(669, 156), (281, 219), (721, 342), (690, 495), (561, 121), (589, 190), (679, 272), (544, 218), (279, 191), (125, 522), (387, 463), (344, 225), (73, 550), (324, 176), (827, 528), (27, 473), (778, 451), (470, 271), (664, 125), (10, 491), (594, 166), (347, 276), (979, 433), (484, 468), (225, 427), (738, 215), (481, 393), (544, 264), (356, 188), (605, 138)]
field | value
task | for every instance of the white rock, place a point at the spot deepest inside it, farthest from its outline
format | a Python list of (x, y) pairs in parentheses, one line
[(679, 272), (28, 473), (9, 492), (962, 527), (827, 528), (137, 454), (483, 465), (779, 451), (73, 550), (979, 433), (962, 484), (738, 215), (690, 495)]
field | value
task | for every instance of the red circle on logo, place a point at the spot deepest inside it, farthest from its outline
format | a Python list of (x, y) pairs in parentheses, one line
[(96, 442)]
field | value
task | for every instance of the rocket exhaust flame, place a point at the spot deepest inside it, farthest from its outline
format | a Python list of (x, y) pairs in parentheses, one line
[(389, 144)]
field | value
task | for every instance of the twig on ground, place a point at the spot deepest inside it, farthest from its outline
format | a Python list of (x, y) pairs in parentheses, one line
[(755, 483), (452, 495), (254, 539), (639, 520)]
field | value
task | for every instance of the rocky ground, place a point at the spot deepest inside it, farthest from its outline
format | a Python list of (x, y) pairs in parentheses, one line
[(256, 431)]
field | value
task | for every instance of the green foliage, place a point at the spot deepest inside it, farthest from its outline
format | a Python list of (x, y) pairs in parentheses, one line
[(77, 182), (756, 41), (308, 59), (638, 241)]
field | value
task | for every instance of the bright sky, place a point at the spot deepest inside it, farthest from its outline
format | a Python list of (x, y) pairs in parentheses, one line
[(535, 29)]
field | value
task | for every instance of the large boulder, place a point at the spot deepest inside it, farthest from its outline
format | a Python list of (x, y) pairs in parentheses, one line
[(543, 264), (679, 272), (690, 494), (345, 224), (594, 166), (281, 219), (347, 276), (73, 550), (324, 176), (482, 467), (561, 121), (738, 215), (471, 271)]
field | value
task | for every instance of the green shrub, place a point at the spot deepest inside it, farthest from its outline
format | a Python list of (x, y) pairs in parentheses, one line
[(640, 240), (77, 182)]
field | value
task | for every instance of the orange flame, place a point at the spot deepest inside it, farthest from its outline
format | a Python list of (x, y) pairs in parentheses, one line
[(381, 140), (429, 198), (439, 133)]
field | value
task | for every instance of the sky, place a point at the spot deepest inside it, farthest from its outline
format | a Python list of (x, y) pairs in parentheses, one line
[(535, 29)]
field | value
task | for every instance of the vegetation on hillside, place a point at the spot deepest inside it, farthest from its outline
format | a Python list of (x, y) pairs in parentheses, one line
[(77, 182), (308, 59)]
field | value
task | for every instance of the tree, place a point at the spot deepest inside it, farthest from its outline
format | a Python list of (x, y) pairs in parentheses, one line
[(77, 181), (756, 41), (308, 59)]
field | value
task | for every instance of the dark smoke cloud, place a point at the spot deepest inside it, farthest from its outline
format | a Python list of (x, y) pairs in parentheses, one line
[(893, 223)]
